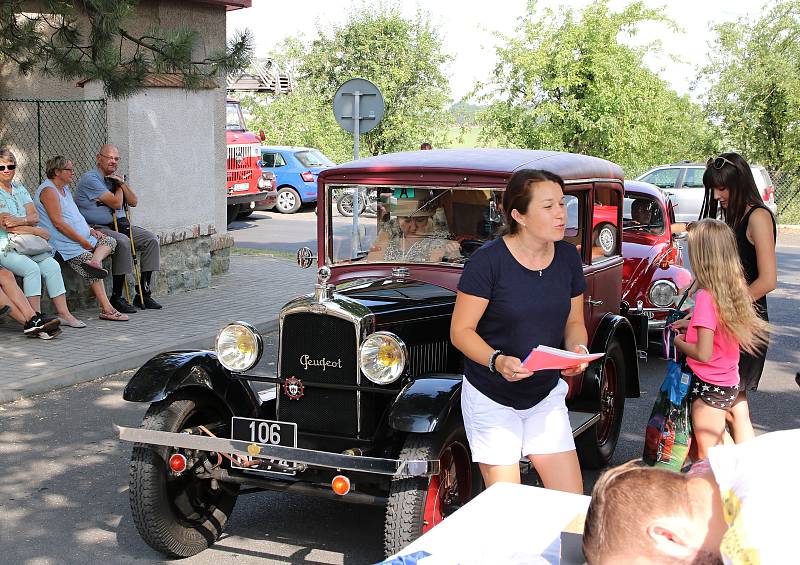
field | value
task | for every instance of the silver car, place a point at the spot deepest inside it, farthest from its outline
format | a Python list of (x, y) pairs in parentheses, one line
[(683, 182)]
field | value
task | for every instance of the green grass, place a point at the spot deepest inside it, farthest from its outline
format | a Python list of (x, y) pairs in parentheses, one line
[(284, 255), (468, 137)]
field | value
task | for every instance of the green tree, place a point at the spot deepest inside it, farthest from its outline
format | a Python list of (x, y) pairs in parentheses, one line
[(566, 81), (87, 39), (753, 81), (403, 57)]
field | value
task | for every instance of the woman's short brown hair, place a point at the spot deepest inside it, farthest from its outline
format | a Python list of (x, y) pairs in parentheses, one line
[(518, 193), (54, 164)]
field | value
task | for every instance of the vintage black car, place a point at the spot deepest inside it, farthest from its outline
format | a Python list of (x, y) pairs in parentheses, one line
[(365, 402)]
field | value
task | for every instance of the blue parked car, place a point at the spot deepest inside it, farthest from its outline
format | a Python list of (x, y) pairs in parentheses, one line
[(296, 169)]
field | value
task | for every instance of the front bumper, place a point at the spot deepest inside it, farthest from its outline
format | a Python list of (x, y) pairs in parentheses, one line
[(234, 198), (392, 467)]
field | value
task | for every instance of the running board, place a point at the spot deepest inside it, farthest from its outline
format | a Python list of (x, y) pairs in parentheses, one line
[(582, 421)]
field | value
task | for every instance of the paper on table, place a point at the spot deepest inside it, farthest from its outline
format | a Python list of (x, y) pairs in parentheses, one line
[(544, 357)]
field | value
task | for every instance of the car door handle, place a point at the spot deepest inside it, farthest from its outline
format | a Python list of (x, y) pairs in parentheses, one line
[(594, 302)]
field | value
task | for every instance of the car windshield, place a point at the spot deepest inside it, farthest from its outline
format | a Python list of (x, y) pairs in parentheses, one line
[(233, 117), (642, 214), (408, 224), (313, 158)]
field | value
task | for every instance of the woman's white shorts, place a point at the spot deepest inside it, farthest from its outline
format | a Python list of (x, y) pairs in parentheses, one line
[(500, 435)]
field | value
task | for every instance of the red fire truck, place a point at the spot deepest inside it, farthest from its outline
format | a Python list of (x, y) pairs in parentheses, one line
[(246, 184)]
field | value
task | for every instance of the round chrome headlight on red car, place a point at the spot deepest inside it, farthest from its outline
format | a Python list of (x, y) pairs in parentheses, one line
[(662, 293)]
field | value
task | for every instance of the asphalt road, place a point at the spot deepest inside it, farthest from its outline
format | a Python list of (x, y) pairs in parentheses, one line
[(63, 476)]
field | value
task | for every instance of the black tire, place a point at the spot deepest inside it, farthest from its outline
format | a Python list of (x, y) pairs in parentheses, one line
[(345, 204), (606, 238), (407, 513), (597, 444), (233, 211), (177, 516), (244, 214), (288, 200)]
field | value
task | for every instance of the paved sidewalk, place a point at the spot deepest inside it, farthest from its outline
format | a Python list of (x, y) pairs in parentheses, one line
[(253, 290)]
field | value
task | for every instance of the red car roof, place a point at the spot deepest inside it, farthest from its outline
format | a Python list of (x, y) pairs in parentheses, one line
[(495, 162)]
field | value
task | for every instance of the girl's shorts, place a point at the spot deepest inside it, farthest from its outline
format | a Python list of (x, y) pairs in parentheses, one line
[(501, 435), (716, 396)]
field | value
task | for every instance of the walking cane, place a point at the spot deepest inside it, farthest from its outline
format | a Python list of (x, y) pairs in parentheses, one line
[(125, 288), (136, 271)]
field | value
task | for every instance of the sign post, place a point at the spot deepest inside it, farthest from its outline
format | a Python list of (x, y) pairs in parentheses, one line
[(355, 101)]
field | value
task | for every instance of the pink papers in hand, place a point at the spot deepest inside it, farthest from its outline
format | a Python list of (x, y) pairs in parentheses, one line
[(544, 357)]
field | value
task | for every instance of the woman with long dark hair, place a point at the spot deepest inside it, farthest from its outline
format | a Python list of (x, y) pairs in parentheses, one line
[(731, 194)]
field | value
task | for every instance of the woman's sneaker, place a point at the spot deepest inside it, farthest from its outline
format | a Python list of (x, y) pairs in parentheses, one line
[(40, 323)]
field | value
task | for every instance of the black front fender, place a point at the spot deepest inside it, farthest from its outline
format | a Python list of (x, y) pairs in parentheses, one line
[(174, 371), (425, 403), (613, 327)]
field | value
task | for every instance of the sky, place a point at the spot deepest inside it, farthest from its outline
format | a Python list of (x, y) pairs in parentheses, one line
[(470, 30)]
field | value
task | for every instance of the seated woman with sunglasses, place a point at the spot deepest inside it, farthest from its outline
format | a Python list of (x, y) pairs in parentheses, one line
[(18, 216), (82, 247), (411, 235), (731, 194)]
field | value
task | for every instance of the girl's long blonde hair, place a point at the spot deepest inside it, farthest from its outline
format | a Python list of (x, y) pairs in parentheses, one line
[(718, 269)]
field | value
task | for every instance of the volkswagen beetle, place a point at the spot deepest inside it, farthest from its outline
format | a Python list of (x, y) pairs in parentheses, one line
[(653, 275), (364, 406)]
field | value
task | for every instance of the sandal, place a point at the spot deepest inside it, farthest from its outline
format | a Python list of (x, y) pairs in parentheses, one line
[(114, 316), (95, 269)]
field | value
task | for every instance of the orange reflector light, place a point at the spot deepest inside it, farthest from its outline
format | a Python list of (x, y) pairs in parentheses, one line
[(177, 463), (340, 485)]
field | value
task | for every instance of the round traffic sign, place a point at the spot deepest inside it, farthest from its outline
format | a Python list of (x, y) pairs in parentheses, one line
[(370, 105)]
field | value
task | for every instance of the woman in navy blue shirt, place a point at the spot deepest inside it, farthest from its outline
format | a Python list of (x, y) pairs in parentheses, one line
[(519, 291)]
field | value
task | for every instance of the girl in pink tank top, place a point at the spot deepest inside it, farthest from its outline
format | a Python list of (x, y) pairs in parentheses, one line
[(723, 320)]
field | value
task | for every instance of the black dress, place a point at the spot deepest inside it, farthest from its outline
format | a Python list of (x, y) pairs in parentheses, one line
[(751, 366)]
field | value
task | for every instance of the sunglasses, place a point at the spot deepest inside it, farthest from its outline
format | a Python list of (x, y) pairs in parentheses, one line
[(719, 162), (7, 167)]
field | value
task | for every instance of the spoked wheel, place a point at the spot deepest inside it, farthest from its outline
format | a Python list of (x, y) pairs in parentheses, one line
[(418, 504), (178, 515), (596, 445)]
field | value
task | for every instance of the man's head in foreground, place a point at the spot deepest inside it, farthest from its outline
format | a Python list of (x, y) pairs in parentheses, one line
[(646, 515)]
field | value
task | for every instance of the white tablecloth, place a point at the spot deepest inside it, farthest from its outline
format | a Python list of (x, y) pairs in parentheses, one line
[(506, 524)]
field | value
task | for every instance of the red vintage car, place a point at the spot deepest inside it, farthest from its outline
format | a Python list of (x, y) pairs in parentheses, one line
[(363, 404), (653, 274)]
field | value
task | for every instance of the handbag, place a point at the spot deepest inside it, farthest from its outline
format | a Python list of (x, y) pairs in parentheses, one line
[(28, 244), (668, 434)]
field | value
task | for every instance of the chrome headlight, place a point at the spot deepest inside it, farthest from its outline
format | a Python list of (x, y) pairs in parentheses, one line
[(262, 182), (382, 357), (239, 347), (662, 293)]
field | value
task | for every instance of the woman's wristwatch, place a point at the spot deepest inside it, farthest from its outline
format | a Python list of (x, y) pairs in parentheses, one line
[(492, 358)]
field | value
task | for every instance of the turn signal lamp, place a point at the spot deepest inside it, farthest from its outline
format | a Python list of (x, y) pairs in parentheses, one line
[(177, 463), (340, 485)]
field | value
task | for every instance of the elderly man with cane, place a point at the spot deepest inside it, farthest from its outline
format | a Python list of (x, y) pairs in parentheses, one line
[(101, 196)]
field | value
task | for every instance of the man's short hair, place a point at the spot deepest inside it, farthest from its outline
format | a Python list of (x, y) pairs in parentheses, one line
[(624, 501), (425, 145)]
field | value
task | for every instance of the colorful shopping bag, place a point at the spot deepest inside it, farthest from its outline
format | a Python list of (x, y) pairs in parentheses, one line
[(669, 430)]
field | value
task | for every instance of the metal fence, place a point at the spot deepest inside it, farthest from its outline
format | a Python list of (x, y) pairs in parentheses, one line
[(36, 130), (787, 196)]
